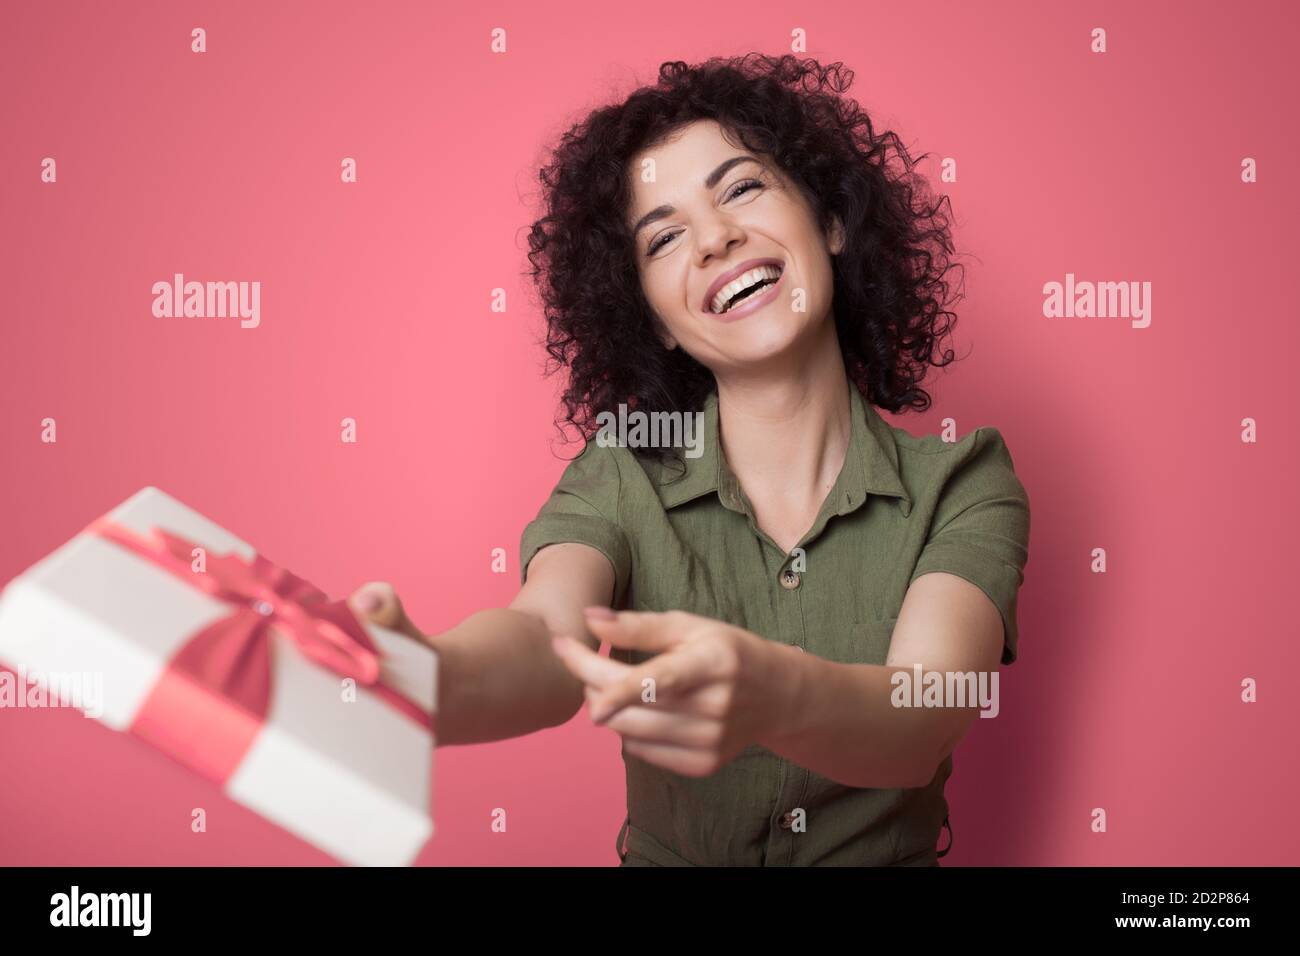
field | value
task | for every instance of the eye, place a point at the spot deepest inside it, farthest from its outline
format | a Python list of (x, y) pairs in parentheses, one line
[(659, 242), (743, 187)]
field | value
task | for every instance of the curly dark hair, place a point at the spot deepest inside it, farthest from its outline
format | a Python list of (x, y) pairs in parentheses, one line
[(890, 281)]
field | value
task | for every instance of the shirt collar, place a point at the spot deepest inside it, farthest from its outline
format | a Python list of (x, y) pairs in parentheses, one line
[(870, 466)]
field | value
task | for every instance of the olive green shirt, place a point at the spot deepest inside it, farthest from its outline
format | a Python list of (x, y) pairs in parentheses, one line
[(902, 506)]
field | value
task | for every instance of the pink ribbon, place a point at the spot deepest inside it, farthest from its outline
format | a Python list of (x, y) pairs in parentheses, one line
[(212, 700)]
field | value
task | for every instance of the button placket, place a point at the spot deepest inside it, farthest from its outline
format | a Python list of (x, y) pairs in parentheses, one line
[(790, 580), (782, 842), (789, 598)]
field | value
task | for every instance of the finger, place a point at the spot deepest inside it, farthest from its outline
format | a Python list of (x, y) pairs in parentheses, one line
[(654, 724), (689, 762), (585, 664), (666, 677), (378, 603), (651, 631), (707, 701)]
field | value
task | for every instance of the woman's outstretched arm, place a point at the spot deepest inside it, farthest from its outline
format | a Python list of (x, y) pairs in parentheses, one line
[(497, 674)]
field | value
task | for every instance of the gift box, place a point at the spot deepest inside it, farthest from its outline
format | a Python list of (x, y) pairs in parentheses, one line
[(239, 669)]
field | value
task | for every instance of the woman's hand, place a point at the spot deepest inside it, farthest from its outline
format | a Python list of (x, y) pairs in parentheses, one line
[(710, 692), (378, 603)]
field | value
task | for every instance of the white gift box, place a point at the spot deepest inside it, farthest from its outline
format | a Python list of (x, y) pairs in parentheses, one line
[(345, 771)]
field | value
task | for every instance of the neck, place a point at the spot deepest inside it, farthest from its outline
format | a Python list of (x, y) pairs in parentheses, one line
[(786, 432)]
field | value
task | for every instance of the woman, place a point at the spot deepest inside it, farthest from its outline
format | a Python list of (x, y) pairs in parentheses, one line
[(737, 242)]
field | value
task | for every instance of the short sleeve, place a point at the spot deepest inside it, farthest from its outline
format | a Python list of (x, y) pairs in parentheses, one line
[(980, 529), (584, 508)]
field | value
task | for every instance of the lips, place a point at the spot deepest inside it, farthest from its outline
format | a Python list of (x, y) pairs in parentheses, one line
[(732, 274)]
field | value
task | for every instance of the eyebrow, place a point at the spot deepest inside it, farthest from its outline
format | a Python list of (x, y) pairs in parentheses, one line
[(710, 181)]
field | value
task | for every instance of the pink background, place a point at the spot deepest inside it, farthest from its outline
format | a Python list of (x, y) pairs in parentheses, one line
[(375, 305)]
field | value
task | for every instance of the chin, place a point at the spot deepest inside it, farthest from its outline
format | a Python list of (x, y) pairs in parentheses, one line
[(755, 350)]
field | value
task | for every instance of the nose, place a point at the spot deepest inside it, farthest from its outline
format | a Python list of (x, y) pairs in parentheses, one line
[(717, 235)]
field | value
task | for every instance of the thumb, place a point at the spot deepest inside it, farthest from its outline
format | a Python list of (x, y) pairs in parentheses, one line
[(378, 603)]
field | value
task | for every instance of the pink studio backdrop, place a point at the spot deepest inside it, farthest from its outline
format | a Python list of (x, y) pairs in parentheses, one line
[(376, 305)]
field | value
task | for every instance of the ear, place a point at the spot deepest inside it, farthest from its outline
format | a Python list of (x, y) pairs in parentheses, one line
[(835, 236), (661, 330)]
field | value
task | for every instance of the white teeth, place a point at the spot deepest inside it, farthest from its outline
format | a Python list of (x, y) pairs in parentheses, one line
[(722, 301)]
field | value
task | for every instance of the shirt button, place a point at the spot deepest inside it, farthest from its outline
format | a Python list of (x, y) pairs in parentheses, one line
[(787, 821), (789, 579)]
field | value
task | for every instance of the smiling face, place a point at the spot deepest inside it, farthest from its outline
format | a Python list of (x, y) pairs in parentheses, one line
[(719, 226)]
